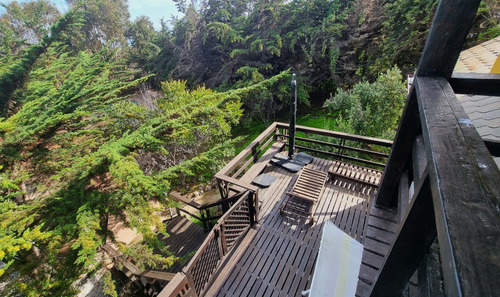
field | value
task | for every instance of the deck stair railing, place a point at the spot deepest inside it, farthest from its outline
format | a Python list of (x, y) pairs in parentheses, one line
[(232, 226), (206, 213)]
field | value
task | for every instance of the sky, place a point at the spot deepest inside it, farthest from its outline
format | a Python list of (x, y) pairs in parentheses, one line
[(154, 9)]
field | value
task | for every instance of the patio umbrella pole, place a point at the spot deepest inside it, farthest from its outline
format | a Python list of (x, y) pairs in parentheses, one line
[(293, 114)]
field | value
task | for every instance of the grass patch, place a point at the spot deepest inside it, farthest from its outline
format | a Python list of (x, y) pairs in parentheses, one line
[(318, 120)]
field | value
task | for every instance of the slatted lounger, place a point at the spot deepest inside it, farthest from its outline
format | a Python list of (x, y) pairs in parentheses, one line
[(309, 186), (363, 175)]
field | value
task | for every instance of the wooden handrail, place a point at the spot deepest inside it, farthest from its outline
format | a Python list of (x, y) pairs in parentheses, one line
[(341, 147), (241, 157), (214, 249), (341, 135), (241, 161), (237, 182), (349, 148)]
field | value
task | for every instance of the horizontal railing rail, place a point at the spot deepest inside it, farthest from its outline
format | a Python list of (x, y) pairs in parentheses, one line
[(250, 154), (368, 151)]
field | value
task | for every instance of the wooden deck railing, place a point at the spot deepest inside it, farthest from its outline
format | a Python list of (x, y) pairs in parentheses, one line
[(205, 211), (367, 151), (234, 182), (232, 226), (239, 173)]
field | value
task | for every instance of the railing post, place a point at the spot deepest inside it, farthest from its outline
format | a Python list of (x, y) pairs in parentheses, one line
[(255, 155), (203, 219), (222, 237), (180, 285), (251, 210), (256, 206), (191, 284), (341, 149), (224, 192), (253, 207)]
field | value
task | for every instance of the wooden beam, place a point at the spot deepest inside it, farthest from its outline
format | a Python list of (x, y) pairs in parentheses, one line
[(413, 239), (400, 152), (429, 274), (404, 196), (341, 146), (464, 183), (451, 24), (237, 182), (419, 159), (178, 286), (476, 83)]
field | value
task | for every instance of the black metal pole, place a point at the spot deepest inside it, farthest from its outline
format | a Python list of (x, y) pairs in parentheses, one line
[(293, 114)]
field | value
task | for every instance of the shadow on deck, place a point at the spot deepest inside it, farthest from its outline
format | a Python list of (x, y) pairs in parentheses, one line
[(184, 238)]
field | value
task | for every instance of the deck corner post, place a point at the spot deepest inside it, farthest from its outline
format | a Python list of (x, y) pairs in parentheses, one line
[(191, 284), (397, 162), (223, 242), (256, 206), (252, 207)]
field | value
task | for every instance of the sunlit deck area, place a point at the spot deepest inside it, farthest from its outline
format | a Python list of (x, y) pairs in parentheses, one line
[(277, 256), (258, 250)]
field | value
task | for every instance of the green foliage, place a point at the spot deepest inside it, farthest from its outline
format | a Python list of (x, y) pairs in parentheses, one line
[(88, 239), (487, 21), (87, 152), (141, 34), (144, 257), (407, 28), (222, 41), (15, 76), (103, 24), (109, 284), (28, 21), (371, 109)]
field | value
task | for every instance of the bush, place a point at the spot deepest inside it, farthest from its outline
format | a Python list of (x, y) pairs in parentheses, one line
[(371, 109)]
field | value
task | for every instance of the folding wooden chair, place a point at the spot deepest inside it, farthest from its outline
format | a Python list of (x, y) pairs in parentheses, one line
[(309, 187)]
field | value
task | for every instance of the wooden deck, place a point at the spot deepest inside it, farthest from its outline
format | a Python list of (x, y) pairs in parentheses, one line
[(185, 237), (277, 256)]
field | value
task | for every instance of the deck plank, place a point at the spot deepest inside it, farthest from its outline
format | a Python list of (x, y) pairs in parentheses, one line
[(184, 237), (277, 257)]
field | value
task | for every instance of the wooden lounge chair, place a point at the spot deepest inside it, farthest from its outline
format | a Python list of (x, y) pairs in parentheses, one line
[(309, 187), (357, 173)]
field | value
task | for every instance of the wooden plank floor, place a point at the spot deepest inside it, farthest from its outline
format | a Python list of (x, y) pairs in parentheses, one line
[(184, 237), (277, 256)]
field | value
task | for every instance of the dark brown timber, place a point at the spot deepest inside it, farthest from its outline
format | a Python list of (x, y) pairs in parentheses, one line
[(412, 242), (464, 181), (451, 24)]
